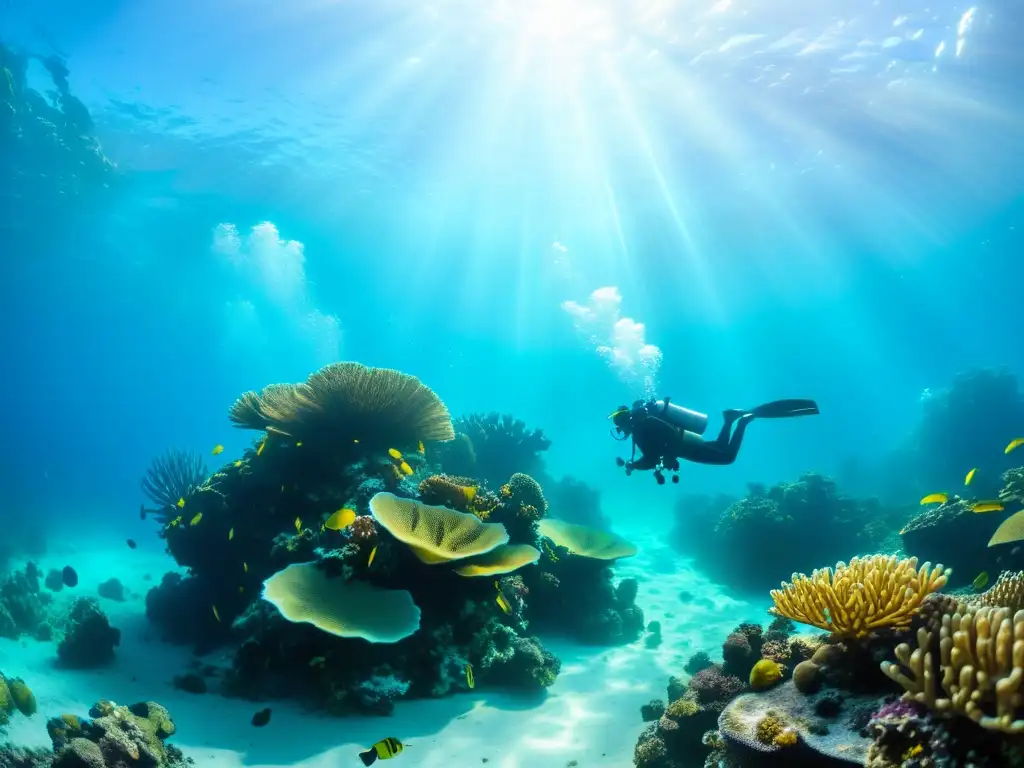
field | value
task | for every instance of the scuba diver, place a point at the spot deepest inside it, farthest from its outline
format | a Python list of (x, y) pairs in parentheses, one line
[(666, 433)]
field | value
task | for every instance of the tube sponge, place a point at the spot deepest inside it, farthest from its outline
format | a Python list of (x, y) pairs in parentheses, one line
[(303, 593), (503, 559), (585, 541), (436, 534)]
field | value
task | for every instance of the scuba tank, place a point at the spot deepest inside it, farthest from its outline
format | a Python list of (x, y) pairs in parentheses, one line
[(677, 416)]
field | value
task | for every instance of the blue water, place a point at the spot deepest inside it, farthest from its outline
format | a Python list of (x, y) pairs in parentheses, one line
[(794, 200)]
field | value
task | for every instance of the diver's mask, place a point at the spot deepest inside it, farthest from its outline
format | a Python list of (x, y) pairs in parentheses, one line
[(622, 418)]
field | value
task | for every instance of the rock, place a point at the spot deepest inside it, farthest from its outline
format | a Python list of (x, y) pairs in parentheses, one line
[(112, 589), (54, 580), (79, 753), (90, 640), (190, 682)]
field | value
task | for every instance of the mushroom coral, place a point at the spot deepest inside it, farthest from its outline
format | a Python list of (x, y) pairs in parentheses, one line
[(503, 559), (348, 402), (856, 599), (979, 670), (585, 541), (436, 534), (303, 593)]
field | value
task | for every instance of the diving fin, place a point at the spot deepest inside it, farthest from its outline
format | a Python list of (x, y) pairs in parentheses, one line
[(785, 409)]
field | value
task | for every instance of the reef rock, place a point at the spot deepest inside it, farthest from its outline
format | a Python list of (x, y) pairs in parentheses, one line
[(89, 640)]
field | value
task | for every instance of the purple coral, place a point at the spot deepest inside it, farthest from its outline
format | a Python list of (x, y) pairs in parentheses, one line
[(715, 688)]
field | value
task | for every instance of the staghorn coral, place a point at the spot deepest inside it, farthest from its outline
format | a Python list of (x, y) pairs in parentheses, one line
[(347, 404), (856, 599), (1013, 485), (977, 672), (174, 475)]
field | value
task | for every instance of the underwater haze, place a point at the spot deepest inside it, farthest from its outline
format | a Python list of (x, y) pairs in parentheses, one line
[(545, 209)]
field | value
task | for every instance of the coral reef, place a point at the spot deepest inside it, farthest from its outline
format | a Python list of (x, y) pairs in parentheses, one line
[(576, 502), (89, 640), (15, 696), (47, 143), (432, 583), (754, 543), (23, 605), (116, 737), (492, 447)]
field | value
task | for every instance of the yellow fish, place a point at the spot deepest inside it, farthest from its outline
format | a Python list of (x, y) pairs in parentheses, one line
[(238, 463), (1014, 444), (501, 600), (215, 614), (394, 454), (980, 581), (406, 469), (469, 677), (263, 444), (218, 449), (231, 534), (298, 444), (341, 519), (195, 520), (245, 567), (935, 498), (396, 473), (987, 506), (469, 491), (373, 554), (356, 441), (421, 448), (174, 522), (298, 525), (384, 749), (970, 476), (181, 502)]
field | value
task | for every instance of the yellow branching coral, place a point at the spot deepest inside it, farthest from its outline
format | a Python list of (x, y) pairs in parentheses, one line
[(856, 599), (979, 671), (349, 402)]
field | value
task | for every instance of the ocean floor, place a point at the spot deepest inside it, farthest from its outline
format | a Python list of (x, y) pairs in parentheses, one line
[(591, 715)]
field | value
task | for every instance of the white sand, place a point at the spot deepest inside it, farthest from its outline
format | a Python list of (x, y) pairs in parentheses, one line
[(590, 715)]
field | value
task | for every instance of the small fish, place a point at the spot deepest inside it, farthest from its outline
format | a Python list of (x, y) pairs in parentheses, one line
[(263, 444), (132, 544), (395, 454), (317, 662), (396, 472), (142, 511), (384, 749), (195, 520), (298, 444), (216, 615), (502, 601), (987, 506), (356, 441), (1014, 445), (261, 718), (828, 615), (298, 525), (469, 676), (935, 498), (373, 554), (231, 534), (181, 502), (341, 519), (245, 567), (238, 463), (469, 491), (69, 577), (406, 469), (980, 581), (420, 447), (970, 476), (241, 590), (218, 449)]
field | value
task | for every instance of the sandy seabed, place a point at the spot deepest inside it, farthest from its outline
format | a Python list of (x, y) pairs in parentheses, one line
[(591, 715)]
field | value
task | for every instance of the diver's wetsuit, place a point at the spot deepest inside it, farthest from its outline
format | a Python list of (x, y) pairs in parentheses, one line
[(663, 440), (659, 442)]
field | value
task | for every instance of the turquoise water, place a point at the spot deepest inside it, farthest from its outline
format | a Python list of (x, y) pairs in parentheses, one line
[(547, 209)]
